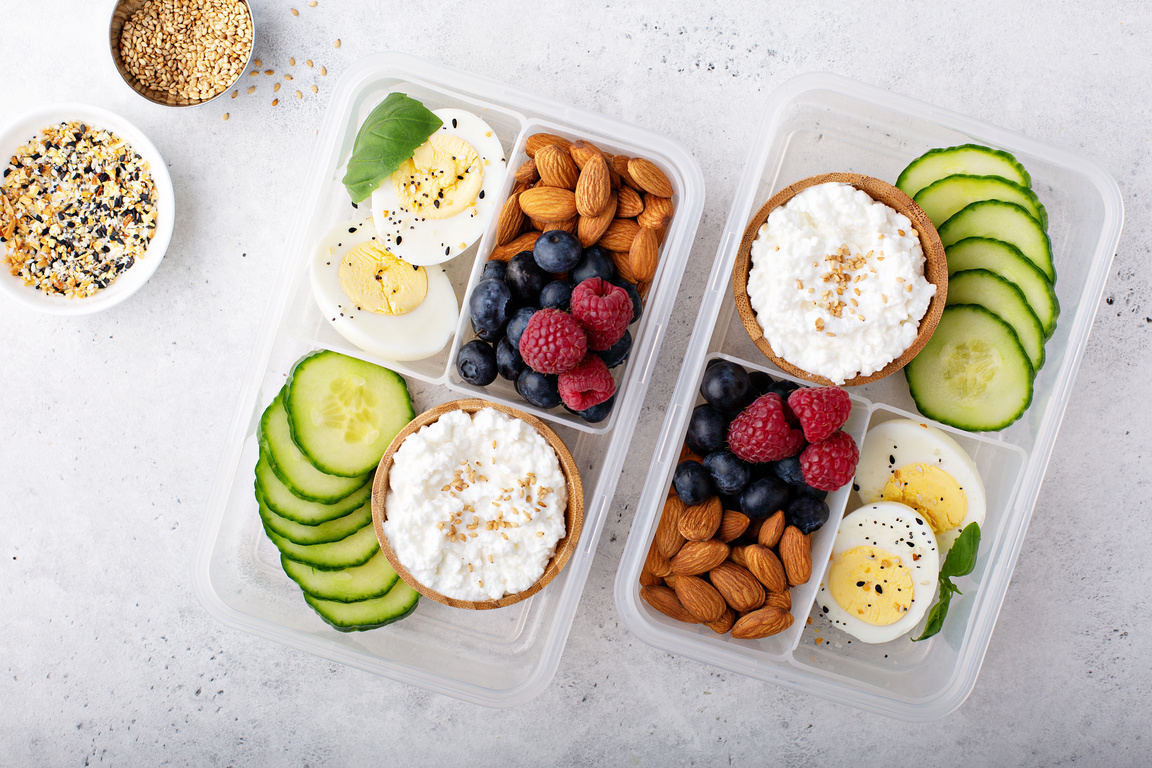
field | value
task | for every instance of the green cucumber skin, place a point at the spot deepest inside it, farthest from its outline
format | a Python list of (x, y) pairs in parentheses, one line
[(298, 533), (348, 552), (298, 475), (1003, 299), (398, 604), (966, 158), (296, 404), (1002, 221), (283, 502), (363, 582), (1007, 261), (944, 197)]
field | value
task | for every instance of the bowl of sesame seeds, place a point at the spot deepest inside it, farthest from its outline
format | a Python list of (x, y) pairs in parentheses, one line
[(86, 209), (181, 53)]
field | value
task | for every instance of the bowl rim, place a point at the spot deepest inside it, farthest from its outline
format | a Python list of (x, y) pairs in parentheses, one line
[(935, 270), (24, 128), (573, 515)]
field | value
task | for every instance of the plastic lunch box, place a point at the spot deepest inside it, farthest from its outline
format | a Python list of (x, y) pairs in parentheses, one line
[(499, 657), (819, 123)]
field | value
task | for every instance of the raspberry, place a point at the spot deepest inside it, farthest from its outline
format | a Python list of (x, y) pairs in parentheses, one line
[(820, 410), (830, 464), (603, 310), (761, 433), (587, 384), (553, 342)]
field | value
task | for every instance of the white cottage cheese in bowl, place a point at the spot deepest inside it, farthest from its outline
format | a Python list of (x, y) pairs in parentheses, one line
[(837, 282), (475, 504)]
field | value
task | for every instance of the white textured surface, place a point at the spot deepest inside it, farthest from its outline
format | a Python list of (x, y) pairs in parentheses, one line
[(111, 426)]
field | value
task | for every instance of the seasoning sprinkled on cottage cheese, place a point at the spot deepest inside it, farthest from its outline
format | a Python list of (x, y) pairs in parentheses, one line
[(837, 282), (476, 504)]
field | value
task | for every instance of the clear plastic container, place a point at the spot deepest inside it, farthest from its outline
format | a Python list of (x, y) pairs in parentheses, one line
[(500, 657), (821, 123)]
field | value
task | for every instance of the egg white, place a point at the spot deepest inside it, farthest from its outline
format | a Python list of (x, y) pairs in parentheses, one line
[(898, 530), (422, 241), (893, 444), (414, 335)]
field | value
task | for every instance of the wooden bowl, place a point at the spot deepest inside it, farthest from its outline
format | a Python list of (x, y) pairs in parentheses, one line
[(573, 516), (935, 269)]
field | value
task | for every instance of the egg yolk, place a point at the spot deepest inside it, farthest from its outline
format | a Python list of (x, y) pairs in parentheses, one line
[(932, 492), (441, 179), (379, 282), (871, 584)]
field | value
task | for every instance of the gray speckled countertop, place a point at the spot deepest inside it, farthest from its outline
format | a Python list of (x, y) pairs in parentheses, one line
[(112, 426)]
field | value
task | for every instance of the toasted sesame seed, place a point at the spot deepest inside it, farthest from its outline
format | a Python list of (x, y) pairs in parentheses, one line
[(251, 89), (235, 94), (312, 4), (225, 117), (275, 102), (287, 77), (299, 95), (308, 62), (275, 87), (337, 44), (323, 72), (295, 12), (291, 62)]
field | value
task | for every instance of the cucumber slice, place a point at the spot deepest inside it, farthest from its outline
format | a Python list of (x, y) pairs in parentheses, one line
[(972, 374), (286, 504), (347, 585), (1002, 221), (343, 412), (350, 551), (333, 530), (1003, 299), (1007, 261), (400, 601), (973, 159), (941, 199), (295, 471)]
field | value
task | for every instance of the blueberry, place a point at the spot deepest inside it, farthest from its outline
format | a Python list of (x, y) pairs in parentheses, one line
[(557, 295), (761, 382), (806, 513), (509, 364), (692, 482), (618, 352), (517, 323), (788, 470), (783, 387), (726, 387), (729, 472), (595, 263), (476, 363), (707, 430), (494, 269), (489, 305), (557, 251), (599, 412), (526, 279), (637, 302), (539, 389), (763, 497)]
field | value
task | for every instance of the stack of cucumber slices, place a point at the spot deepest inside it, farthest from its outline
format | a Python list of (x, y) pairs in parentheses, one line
[(977, 370), (320, 441)]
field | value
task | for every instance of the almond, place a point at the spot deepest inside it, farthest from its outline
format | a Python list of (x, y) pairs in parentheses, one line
[(765, 566), (538, 140), (762, 623), (620, 165), (527, 172), (724, 623), (568, 225), (656, 563), (657, 211), (631, 204), (664, 600), (649, 579), (753, 530), (782, 600), (642, 255), (796, 555), (699, 523), (649, 177), (594, 187), (620, 234), (556, 167), (522, 243), (583, 151), (731, 526), (700, 598), (737, 586), (623, 265), (548, 203), (697, 557), (736, 555), (590, 228), (668, 539), (770, 530), (511, 220)]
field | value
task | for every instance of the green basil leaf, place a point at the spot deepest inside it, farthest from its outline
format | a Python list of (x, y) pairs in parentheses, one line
[(387, 138), (936, 615), (961, 558)]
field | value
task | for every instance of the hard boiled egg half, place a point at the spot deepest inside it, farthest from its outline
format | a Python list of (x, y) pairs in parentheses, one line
[(921, 466), (882, 575), (439, 201), (384, 305)]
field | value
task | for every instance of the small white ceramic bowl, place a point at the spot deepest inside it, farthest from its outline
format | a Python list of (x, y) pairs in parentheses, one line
[(22, 130)]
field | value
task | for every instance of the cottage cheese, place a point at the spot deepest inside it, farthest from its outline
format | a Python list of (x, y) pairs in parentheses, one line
[(475, 504), (837, 282)]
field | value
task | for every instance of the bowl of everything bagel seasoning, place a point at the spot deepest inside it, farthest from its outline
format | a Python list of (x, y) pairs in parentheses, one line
[(86, 209), (180, 53)]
